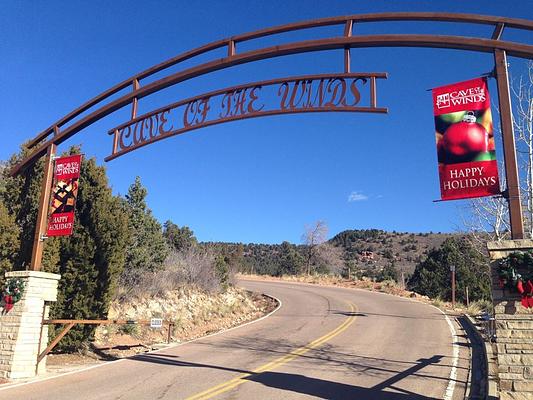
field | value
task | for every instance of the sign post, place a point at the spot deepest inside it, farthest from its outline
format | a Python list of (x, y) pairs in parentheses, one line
[(42, 215), (452, 270), (509, 148)]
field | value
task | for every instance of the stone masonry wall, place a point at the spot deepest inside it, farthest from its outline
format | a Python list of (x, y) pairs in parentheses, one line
[(20, 328), (514, 329)]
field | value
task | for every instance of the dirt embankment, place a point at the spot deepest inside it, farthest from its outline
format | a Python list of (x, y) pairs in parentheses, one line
[(194, 314)]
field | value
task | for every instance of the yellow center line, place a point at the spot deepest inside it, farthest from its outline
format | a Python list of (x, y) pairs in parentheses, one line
[(240, 379)]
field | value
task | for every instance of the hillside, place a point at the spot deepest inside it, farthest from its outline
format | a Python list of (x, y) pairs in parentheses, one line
[(366, 251), (377, 248)]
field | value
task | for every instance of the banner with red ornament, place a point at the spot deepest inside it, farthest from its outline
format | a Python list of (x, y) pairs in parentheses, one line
[(64, 194), (465, 140)]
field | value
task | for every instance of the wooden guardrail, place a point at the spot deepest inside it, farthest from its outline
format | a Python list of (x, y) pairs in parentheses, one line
[(69, 324)]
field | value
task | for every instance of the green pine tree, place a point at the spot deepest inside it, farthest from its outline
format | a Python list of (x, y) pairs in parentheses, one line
[(9, 241), (148, 248), (92, 259), (388, 273), (20, 195), (432, 276), (179, 239), (291, 261)]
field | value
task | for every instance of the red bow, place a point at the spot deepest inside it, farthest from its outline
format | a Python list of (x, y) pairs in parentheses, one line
[(527, 293), (8, 300), (520, 287)]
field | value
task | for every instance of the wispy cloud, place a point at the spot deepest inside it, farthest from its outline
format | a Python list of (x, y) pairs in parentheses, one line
[(357, 196)]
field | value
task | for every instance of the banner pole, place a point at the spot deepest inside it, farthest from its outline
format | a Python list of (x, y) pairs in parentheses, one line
[(42, 215), (452, 271), (453, 289), (509, 148)]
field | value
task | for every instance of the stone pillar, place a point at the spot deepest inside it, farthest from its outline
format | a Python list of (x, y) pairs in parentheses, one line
[(514, 329), (20, 328)]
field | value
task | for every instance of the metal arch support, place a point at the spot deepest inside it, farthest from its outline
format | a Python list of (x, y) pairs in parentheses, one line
[(509, 151), (449, 42), (344, 42), (42, 215), (498, 22), (58, 132)]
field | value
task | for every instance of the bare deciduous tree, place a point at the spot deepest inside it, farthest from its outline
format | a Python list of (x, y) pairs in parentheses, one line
[(330, 257), (488, 217), (313, 236), (194, 267), (522, 90)]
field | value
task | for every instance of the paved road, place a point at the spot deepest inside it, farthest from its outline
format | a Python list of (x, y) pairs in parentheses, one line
[(323, 342)]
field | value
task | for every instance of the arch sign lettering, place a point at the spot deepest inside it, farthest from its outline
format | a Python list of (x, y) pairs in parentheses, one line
[(318, 93), (337, 92)]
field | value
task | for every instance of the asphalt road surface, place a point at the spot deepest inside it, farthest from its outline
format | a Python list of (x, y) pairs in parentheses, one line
[(323, 342)]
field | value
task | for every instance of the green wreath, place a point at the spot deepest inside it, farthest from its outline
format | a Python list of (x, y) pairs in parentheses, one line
[(515, 272), (12, 292)]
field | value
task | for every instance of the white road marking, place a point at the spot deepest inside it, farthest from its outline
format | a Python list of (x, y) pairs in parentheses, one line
[(448, 394)]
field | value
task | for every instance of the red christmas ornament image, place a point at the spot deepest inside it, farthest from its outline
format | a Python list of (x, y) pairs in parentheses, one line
[(464, 140)]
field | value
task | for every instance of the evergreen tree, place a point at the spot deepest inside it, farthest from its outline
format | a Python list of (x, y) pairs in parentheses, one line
[(20, 195), (388, 273), (432, 275), (9, 241), (92, 259), (9, 231), (222, 271), (148, 248), (89, 261), (179, 239), (291, 261)]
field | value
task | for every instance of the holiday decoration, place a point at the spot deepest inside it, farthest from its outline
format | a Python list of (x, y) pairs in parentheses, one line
[(515, 272), (12, 293), (64, 194), (465, 142)]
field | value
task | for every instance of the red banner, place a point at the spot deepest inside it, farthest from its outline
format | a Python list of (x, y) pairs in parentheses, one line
[(465, 140), (64, 193)]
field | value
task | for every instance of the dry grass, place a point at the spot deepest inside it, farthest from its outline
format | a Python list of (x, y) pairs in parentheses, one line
[(479, 307)]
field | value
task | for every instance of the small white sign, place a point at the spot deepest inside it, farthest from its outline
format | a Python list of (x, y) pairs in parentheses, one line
[(156, 323)]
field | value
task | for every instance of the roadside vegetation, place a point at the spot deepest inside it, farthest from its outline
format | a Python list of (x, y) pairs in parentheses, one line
[(118, 251), (120, 254)]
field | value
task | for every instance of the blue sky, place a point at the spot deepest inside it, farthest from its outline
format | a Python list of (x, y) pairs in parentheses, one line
[(258, 180)]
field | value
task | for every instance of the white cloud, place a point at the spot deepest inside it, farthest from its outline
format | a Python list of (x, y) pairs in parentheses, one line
[(357, 196)]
